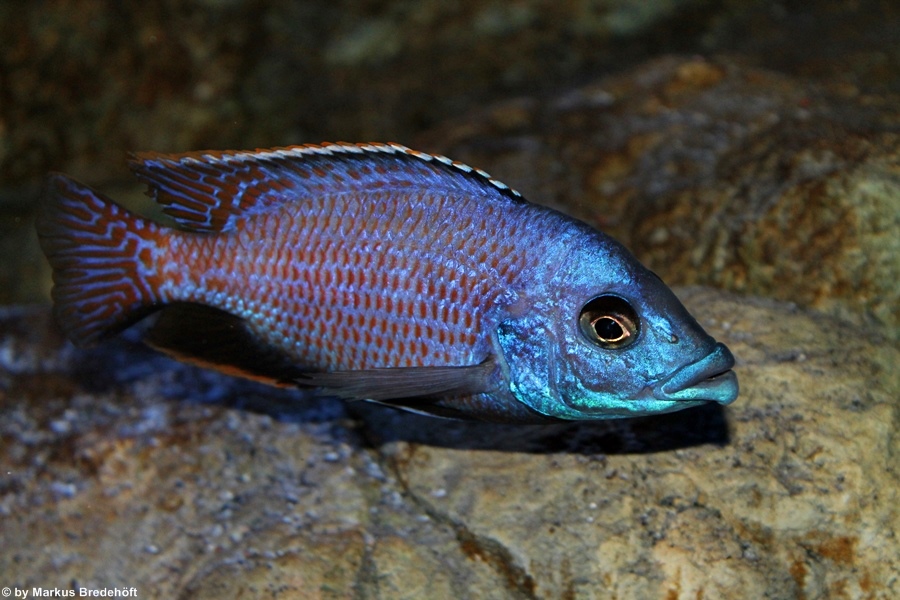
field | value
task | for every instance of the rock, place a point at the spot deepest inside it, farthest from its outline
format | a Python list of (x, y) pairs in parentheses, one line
[(716, 174), (121, 468)]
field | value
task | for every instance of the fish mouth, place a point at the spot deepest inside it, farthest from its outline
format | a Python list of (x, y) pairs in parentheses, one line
[(710, 379)]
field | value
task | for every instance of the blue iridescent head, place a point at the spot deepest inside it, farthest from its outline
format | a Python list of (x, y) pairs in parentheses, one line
[(604, 338)]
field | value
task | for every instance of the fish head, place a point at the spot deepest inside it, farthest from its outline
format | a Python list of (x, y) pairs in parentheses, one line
[(604, 337)]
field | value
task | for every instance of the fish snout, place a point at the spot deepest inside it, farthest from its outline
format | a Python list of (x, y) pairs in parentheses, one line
[(710, 379)]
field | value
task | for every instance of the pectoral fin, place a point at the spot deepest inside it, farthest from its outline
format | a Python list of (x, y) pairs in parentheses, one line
[(383, 385)]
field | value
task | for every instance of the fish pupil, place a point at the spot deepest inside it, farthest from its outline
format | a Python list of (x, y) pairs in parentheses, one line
[(608, 329)]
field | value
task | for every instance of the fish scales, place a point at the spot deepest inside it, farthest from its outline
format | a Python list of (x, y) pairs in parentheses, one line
[(377, 272), (409, 265)]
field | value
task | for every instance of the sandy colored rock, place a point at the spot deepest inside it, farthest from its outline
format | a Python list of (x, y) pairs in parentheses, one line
[(717, 174), (121, 468)]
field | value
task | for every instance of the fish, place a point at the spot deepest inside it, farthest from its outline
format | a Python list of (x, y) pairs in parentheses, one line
[(375, 272)]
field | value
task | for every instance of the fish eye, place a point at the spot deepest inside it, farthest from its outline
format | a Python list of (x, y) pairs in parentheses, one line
[(609, 321)]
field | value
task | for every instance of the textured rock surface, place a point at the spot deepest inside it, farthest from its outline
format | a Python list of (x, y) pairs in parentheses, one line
[(716, 174), (119, 467)]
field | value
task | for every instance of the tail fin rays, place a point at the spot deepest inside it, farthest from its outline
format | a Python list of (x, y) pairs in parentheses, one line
[(102, 258)]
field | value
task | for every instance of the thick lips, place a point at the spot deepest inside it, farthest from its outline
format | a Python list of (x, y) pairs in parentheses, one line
[(710, 379)]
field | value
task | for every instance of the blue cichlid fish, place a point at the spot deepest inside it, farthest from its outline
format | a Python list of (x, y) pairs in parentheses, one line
[(376, 272)]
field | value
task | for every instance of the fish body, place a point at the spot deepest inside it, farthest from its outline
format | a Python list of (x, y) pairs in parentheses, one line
[(377, 272)]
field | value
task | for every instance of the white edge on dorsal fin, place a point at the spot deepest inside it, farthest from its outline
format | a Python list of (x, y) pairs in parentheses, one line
[(336, 148)]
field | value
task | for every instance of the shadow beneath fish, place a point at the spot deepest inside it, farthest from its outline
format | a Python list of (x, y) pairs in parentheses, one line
[(660, 433)]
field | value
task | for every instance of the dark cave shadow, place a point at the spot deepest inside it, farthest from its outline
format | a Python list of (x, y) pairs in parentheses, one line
[(124, 361)]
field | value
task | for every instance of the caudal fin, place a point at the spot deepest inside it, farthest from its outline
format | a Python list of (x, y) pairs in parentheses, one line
[(103, 260)]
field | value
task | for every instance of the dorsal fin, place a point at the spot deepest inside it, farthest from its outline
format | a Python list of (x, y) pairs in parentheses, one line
[(207, 191)]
